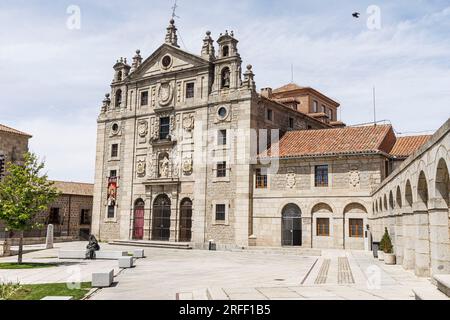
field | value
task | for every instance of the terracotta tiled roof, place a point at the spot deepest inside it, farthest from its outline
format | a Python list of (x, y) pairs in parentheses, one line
[(75, 188), (4, 128), (288, 87), (406, 146), (349, 140)]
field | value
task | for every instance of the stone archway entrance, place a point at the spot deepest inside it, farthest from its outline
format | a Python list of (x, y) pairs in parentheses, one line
[(291, 226), (161, 218), (138, 228)]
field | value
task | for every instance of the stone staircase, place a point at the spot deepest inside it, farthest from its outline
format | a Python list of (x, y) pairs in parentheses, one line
[(153, 244), (442, 292)]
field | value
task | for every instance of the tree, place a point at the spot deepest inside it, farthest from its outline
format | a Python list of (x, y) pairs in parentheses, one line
[(387, 243), (25, 192)]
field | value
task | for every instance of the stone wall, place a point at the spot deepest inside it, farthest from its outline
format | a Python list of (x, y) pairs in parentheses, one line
[(413, 204)]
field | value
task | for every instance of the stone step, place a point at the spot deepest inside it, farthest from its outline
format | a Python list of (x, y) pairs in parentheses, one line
[(429, 294), (282, 251), (443, 283), (199, 294), (153, 244), (216, 294)]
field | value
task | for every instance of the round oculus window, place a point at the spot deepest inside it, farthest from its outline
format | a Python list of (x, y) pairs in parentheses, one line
[(115, 127), (166, 61), (222, 112)]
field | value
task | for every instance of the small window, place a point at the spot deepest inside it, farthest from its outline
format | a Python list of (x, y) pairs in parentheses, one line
[(321, 176), (291, 123), (261, 179), (221, 169), (114, 150), (113, 174), (144, 98), (119, 76), (323, 227), (164, 128), (220, 212), (324, 109), (166, 61), (54, 217), (330, 114), (222, 138), (226, 51), (315, 106), (356, 228), (190, 90), (118, 98), (85, 217), (111, 211), (269, 114)]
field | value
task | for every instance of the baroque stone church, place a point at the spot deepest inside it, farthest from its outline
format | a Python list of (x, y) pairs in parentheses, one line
[(189, 151)]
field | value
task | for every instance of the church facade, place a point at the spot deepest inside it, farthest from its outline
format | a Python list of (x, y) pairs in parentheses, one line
[(189, 151)]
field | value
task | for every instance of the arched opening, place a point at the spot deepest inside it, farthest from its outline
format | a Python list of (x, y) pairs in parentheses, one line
[(322, 227), (291, 225), (161, 218), (138, 223), (226, 51), (163, 165), (385, 203), (422, 188), (355, 215), (380, 204), (391, 201), (119, 76), (398, 198), (118, 98), (225, 77), (185, 220), (442, 182), (408, 194)]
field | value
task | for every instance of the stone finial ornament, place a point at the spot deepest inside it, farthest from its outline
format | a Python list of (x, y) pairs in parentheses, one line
[(106, 103), (249, 78), (171, 35), (137, 60), (208, 50)]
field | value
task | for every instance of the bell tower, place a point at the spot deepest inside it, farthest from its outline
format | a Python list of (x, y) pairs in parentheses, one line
[(227, 71)]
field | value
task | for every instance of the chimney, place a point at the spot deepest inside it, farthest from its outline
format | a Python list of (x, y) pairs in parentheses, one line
[(266, 93)]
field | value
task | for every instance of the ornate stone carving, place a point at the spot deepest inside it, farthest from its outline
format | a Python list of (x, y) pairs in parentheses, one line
[(187, 165), (291, 179), (141, 167), (164, 167), (188, 122), (354, 177), (165, 94), (143, 129), (155, 129)]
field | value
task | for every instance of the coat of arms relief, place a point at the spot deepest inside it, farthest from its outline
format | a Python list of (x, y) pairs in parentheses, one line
[(291, 178), (354, 177)]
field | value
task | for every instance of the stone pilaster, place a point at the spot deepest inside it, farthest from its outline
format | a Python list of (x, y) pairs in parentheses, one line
[(439, 236), (422, 241)]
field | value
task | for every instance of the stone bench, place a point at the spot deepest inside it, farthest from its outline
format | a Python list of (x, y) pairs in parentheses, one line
[(138, 253), (126, 262), (103, 279), (84, 254), (73, 254)]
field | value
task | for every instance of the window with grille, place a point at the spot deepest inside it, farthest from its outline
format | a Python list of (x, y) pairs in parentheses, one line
[(190, 90), (113, 174), (321, 176), (222, 138), (221, 169), (220, 212), (85, 217), (144, 98), (261, 179), (164, 128), (111, 211), (356, 228), (114, 150), (291, 123), (323, 227), (54, 217)]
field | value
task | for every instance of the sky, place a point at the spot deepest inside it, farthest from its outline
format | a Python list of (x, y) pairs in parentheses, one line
[(55, 69)]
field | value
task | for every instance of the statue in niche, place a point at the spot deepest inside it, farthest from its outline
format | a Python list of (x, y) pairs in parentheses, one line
[(226, 78), (164, 167)]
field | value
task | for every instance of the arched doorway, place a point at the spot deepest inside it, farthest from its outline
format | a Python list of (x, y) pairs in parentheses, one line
[(138, 227), (291, 226), (161, 218), (185, 220)]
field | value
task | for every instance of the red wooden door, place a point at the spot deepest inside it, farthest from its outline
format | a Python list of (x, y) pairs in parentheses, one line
[(138, 233)]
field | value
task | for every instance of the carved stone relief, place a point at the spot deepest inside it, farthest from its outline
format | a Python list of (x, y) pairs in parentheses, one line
[(165, 94), (354, 177), (291, 179), (141, 167)]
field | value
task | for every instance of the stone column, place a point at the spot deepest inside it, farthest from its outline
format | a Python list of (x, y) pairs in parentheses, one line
[(338, 232), (399, 246), (439, 236), (306, 231), (422, 240), (49, 239), (408, 239)]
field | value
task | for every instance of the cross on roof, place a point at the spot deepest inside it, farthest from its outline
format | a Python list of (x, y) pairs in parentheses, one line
[(174, 8)]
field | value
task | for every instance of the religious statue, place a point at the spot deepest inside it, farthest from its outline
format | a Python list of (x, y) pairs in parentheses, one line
[(92, 246), (164, 168), (226, 78)]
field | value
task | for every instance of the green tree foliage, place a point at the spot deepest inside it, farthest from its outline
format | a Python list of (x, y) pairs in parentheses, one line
[(25, 192), (387, 243)]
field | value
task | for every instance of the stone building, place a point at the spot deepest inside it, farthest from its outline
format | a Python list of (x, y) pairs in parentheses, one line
[(189, 151), (13, 145)]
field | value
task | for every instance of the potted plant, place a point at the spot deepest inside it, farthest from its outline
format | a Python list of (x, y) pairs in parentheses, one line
[(389, 256)]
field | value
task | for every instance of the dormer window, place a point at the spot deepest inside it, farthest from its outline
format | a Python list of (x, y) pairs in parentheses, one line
[(118, 98), (226, 77), (226, 51)]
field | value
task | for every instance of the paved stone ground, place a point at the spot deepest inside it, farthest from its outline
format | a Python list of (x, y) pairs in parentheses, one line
[(166, 274)]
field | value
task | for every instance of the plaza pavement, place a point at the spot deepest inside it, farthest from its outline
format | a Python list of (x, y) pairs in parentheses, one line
[(168, 274)]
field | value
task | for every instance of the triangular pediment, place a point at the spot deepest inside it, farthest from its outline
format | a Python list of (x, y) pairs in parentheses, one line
[(180, 60)]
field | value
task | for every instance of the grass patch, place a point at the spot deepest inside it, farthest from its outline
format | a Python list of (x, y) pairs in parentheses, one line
[(39, 291), (26, 265)]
